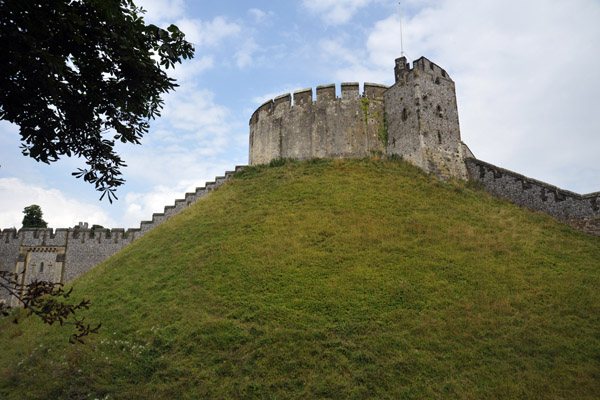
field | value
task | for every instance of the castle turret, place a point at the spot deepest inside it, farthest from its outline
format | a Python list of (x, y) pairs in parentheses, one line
[(420, 123), (422, 119), (327, 127), (401, 66)]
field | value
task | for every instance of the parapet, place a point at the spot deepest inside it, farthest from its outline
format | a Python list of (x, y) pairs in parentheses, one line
[(566, 206), (303, 97), (374, 91), (350, 90), (324, 94), (81, 248), (282, 101), (61, 236), (7, 235), (327, 126), (425, 65), (180, 204), (422, 65)]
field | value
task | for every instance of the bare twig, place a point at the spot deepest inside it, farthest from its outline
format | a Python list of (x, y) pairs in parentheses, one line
[(44, 299)]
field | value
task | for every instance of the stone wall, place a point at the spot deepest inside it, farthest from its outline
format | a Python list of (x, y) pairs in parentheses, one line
[(61, 255), (580, 211), (330, 127), (65, 254), (416, 118), (422, 118)]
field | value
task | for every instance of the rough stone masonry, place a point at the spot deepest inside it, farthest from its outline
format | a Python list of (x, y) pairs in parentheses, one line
[(416, 119)]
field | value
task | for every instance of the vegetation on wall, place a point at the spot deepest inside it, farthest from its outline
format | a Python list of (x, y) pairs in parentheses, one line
[(382, 125), (382, 129)]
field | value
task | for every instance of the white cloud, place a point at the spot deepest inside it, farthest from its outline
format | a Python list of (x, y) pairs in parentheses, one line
[(257, 14), (191, 69), (186, 146), (525, 74), (59, 210), (140, 206), (289, 88), (354, 65), (244, 55), (161, 11), (208, 33), (193, 109), (335, 12), (528, 81), (260, 16), (159, 166), (334, 49)]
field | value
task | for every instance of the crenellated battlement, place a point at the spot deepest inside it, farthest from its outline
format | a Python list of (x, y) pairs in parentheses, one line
[(416, 118), (582, 211), (422, 118), (60, 236), (420, 66), (300, 127), (8, 234), (180, 204), (63, 254), (324, 94)]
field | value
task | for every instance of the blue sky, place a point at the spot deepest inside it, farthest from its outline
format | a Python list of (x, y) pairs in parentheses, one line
[(526, 74)]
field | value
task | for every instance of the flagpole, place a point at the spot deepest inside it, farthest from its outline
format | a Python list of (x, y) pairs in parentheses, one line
[(401, 39)]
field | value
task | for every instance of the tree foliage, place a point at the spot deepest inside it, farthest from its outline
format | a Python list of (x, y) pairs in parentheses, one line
[(33, 217), (78, 75)]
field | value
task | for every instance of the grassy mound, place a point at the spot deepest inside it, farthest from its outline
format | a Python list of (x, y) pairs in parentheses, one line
[(331, 279)]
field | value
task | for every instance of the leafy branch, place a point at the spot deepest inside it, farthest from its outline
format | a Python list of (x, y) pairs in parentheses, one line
[(78, 77), (47, 300)]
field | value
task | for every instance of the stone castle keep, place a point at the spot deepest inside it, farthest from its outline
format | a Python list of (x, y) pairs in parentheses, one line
[(416, 118)]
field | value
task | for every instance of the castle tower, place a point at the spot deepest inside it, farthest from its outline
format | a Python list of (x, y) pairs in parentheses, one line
[(328, 127), (416, 118), (422, 119)]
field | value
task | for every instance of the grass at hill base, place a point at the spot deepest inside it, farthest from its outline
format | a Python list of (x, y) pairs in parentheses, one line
[(353, 279)]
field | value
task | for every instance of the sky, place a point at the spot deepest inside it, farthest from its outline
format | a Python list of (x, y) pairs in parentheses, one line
[(526, 74)]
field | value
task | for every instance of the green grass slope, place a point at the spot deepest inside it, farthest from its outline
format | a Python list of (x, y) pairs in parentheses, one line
[(330, 279)]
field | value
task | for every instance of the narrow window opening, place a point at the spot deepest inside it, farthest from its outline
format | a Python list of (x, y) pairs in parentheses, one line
[(443, 73), (437, 81), (431, 66), (404, 114), (41, 267), (439, 137)]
